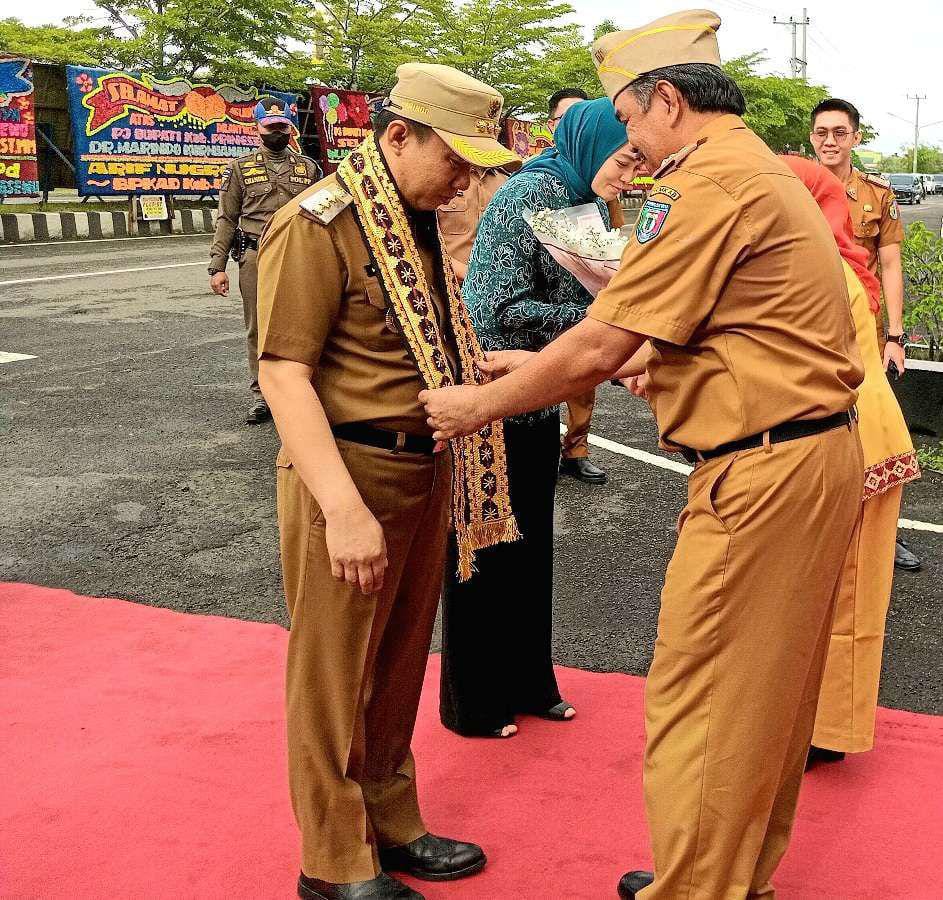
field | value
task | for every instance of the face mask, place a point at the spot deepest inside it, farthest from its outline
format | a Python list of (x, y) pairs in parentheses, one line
[(276, 141)]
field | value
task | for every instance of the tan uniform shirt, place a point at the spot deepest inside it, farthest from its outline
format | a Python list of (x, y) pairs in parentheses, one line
[(321, 303), (734, 273), (875, 214), (458, 219), (253, 188)]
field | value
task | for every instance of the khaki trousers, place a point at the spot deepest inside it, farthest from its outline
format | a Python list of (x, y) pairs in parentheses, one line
[(579, 415), (248, 287), (848, 700), (742, 635), (356, 664)]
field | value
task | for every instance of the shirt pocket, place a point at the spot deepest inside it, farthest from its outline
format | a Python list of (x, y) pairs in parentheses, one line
[(256, 191), (868, 224), (453, 217), (375, 319)]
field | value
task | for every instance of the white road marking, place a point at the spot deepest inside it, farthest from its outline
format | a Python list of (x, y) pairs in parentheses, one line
[(140, 237), (920, 526), (14, 357), (201, 262), (653, 459)]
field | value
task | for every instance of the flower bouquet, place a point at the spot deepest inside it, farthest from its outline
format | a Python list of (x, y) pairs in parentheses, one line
[(578, 240)]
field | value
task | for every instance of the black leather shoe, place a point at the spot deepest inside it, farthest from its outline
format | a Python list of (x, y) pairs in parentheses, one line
[(905, 558), (632, 882), (258, 413), (821, 755), (580, 467), (383, 887), (434, 858)]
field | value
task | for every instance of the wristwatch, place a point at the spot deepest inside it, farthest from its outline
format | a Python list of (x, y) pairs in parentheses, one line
[(895, 339)]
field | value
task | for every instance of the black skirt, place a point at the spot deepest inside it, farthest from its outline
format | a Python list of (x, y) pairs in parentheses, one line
[(497, 627)]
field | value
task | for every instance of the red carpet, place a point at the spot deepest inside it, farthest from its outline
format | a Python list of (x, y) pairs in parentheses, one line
[(144, 756)]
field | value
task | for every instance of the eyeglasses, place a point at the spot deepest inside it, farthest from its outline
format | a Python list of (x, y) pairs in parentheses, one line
[(840, 135)]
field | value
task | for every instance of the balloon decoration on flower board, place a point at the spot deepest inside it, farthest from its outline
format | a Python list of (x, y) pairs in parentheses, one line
[(343, 121)]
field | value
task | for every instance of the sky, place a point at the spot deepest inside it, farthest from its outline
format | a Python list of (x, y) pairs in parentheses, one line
[(854, 48)]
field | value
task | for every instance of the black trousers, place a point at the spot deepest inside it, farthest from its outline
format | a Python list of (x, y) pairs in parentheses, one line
[(497, 627)]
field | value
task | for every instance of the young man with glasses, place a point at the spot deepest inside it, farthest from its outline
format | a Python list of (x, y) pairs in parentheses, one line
[(875, 216)]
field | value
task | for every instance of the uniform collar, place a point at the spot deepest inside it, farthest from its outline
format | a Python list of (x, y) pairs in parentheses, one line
[(718, 126), (715, 127), (851, 189)]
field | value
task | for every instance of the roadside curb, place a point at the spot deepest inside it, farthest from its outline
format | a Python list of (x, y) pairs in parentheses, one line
[(22, 228)]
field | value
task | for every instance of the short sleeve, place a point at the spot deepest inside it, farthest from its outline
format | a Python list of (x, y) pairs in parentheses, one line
[(301, 281), (892, 230), (688, 238)]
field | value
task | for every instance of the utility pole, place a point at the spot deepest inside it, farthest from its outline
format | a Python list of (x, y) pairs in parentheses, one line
[(799, 65), (917, 98)]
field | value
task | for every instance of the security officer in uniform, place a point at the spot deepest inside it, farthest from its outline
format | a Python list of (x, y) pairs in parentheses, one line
[(734, 276), (875, 217), (253, 187), (363, 490)]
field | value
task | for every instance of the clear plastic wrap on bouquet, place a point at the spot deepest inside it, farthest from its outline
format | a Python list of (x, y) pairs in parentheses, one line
[(577, 238)]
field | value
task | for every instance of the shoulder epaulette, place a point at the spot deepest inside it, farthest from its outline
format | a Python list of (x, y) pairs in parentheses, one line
[(672, 162), (327, 204), (876, 179)]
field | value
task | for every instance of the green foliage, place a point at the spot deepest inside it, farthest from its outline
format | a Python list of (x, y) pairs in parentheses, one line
[(359, 43), (522, 48), (922, 259), (56, 44), (929, 160), (778, 108), (931, 457), (207, 39)]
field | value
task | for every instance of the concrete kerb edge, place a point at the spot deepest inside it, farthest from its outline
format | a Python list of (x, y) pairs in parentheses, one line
[(22, 228)]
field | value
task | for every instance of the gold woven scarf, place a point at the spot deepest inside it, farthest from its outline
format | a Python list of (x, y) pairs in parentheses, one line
[(481, 508)]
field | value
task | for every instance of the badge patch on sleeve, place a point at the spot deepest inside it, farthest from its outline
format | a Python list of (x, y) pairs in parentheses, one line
[(894, 210), (651, 219)]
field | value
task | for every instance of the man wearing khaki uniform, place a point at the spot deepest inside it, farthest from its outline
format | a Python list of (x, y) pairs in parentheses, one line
[(254, 186), (734, 276), (358, 310)]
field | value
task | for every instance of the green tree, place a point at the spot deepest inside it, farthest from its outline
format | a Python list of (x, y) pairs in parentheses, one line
[(929, 160), (778, 108), (57, 44), (922, 260), (521, 48), (359, 43), (208, 39)]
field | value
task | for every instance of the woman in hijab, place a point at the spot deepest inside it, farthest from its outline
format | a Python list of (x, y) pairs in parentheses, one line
[(496, 646), (844, 720)]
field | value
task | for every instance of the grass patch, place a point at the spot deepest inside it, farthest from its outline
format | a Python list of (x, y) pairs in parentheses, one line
[(931, 457)]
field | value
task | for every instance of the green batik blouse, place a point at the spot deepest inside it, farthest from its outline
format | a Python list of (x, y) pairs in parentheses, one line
[(518, 296)]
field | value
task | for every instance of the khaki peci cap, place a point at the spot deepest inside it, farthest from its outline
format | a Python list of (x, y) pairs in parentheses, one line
[(462, 110), (684, 37)]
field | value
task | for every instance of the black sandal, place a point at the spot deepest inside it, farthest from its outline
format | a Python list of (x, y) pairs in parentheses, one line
[(558, 713)]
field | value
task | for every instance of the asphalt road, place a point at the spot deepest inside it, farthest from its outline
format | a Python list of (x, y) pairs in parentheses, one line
[(930, 212), (127, 471)]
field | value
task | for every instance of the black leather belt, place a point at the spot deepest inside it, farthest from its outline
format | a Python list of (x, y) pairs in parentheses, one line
[(251, 242), (394, 441), (788, 431)]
